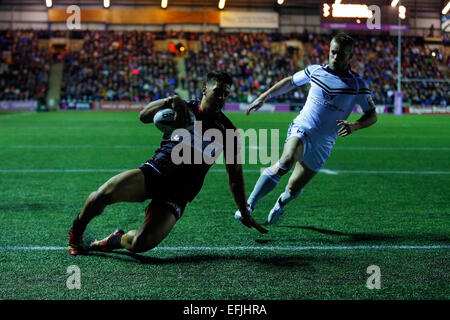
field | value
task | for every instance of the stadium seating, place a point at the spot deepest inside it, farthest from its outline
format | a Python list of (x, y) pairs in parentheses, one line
[(24, 68), (123, 65), (117, 66), (249, 60)]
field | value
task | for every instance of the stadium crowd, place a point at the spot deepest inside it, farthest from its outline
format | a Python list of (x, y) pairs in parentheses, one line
[(124, 65), (117, 66), (24, 67), (254, 66)]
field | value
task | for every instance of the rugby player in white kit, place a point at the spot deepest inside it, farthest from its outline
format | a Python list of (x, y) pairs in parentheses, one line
[(335, 90)]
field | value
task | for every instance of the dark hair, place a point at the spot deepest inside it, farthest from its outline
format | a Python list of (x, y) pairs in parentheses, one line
[(344, 39), (219, 76)]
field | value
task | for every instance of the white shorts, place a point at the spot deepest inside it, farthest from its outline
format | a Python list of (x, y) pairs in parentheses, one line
[(316, 150)]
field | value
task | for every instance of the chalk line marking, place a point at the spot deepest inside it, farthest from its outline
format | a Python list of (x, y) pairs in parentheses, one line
[(326, 171), (250, 147), (250, 248)]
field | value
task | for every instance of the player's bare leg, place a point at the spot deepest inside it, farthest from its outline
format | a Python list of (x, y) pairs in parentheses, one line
[(158, 223), (297, 181), (292, 152), (128, 186), (300, 177)]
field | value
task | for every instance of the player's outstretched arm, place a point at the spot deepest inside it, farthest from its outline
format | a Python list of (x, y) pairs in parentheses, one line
[(367, 119), (237, 186), (281, 87)]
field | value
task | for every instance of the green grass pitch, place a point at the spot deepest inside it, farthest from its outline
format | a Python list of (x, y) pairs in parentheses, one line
[(391, 190)]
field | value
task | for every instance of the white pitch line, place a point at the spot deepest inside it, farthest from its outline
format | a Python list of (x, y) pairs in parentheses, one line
[(398, 137), (77, 147), (365, 148), (252, 147), (326, 171), (395, 148), (60, 170), (249, 248), (301, 248), (36, 248), (389, 172)]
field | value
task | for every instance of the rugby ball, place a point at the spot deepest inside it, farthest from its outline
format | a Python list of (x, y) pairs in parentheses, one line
[(164, 120)]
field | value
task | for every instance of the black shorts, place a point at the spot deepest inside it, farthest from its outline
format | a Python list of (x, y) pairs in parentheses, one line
[(158, 188)]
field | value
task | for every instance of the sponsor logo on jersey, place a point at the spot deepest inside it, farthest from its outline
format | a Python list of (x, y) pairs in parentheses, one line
[(327, 105)]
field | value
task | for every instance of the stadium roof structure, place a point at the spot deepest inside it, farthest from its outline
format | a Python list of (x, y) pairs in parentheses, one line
[(414, 6)]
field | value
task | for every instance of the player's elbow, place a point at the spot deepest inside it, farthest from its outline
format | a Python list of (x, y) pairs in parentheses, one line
[(374, 117), (371, 117), (143, 117)]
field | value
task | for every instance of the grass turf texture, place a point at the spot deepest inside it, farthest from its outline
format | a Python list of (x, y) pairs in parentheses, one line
[(347, 209)]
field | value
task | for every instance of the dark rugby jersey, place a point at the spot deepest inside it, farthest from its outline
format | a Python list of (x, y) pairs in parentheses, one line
[(186, 179)]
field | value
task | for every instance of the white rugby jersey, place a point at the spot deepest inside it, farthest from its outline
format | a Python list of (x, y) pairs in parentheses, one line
[(330, 98)]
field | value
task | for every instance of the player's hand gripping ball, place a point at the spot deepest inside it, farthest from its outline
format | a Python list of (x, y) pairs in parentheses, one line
[(165, 121)]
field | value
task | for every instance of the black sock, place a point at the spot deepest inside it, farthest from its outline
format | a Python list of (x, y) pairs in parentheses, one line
[(79, 226), (114, 241)]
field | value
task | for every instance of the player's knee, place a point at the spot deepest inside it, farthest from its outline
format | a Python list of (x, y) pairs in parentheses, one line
[(284, 165), (141, 244), (289, 157), (100, 197), (288, 160)]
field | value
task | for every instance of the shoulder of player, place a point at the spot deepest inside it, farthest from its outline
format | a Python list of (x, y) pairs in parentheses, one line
[(362, 84), (309, 70)]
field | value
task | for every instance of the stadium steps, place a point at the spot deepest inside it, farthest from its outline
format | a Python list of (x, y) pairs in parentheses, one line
[(181, 72), (54, 86)]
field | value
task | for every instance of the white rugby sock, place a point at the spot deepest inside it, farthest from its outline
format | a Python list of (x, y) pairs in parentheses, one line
[(266, 183)]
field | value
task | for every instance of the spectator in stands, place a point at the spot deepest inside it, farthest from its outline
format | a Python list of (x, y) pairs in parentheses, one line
[(117, 66), (247, 57), (24, 67)]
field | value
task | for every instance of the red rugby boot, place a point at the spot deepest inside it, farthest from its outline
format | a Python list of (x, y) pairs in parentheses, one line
[(108, 244), (75, 243)]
